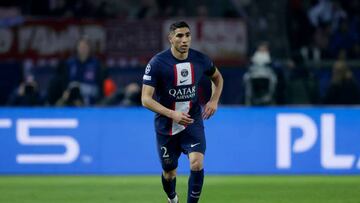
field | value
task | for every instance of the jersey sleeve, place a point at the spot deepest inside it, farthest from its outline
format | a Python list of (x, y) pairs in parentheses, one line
[(209, 66), (151, 74)]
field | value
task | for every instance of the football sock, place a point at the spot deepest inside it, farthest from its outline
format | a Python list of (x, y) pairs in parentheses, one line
[(169, 186), (196, 181)]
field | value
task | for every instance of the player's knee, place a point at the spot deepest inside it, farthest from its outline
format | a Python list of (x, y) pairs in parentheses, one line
[(196, 165), (169, 175)]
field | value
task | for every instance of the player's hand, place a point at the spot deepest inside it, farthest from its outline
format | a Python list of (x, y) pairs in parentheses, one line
[(182, 118), (210, 109)]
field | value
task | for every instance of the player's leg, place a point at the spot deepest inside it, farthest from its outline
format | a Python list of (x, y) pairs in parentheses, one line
[(196, 178), (169, 152), (168, 180), (194, 144)]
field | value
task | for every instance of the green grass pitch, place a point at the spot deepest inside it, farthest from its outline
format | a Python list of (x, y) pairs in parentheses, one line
[(147, 189)]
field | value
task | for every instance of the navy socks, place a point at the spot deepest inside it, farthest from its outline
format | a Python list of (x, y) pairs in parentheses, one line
[(169, 186), (196, 181), (195, 184)]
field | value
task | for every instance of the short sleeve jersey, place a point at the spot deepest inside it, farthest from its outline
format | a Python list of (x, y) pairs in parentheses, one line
[(176, 84)]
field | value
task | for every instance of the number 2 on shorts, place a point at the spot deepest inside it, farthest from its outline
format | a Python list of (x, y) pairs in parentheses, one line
[(165, 155)]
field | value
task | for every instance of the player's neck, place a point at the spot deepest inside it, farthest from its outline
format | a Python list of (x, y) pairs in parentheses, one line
[(179, 55)]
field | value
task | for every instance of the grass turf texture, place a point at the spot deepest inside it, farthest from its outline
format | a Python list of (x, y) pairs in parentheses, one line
[(148, 189)]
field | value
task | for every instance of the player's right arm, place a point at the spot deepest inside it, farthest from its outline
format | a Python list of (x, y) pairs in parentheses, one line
[(150, 103)]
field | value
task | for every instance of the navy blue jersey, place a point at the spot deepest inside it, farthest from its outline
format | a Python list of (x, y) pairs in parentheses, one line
[(176, 83)]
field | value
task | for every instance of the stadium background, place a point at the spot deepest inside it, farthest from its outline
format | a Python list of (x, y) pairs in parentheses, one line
[(309, 127)]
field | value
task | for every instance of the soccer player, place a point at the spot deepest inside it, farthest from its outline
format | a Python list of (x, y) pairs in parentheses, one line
[(170, 86)]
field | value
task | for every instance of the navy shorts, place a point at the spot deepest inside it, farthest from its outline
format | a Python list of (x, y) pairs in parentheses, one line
[(191, 139)]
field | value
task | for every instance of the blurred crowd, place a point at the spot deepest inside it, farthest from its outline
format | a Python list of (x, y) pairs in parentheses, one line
[(325, 29), (124, 9), (316, 30), (267, 82), (80, 80)]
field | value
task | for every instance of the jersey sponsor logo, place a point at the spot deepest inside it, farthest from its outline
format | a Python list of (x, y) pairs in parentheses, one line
[(147, 69), (183, 93)]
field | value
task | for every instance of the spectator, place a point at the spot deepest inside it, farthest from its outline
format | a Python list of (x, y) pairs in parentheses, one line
[(58, 8), (87, 71), (202, 12), (72, 96), (321, 41), (343, 88), (166, 9), (132, 95), (298, 25), (237, 9), (128, 96), (147, 10), (260, 80), (83, 8), (26, 94), (326, 11), (106, 9), (345, 38)]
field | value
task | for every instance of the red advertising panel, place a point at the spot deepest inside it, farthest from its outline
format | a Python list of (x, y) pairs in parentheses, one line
[(49, 38), (225, 41), (134, 39)]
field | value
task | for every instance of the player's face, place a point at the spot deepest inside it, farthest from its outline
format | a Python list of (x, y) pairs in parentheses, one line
[(180, 39), (83, 49)]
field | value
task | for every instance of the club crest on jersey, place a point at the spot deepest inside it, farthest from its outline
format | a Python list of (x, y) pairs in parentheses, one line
[(184, 72), (147, 69)]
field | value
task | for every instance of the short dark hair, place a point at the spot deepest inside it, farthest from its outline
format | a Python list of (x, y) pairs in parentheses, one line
[(179, 24)]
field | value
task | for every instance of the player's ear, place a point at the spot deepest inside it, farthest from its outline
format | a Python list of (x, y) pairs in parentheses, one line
[(170, 37)]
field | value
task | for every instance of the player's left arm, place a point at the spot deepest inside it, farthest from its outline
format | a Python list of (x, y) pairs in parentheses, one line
[(212, 105)]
